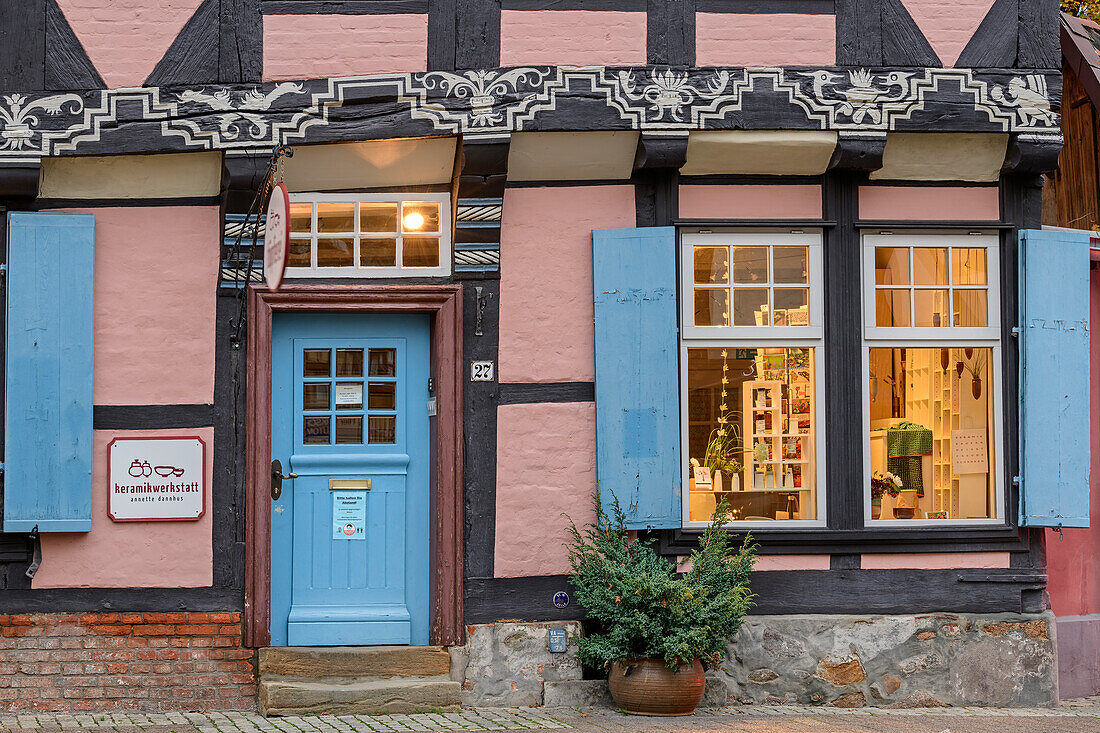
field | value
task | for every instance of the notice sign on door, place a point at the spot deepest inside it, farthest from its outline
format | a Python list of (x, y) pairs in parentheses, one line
[(156, 479), (349, 515)]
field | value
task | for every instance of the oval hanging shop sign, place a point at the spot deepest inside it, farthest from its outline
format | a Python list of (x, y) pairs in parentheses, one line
[(276, 236)]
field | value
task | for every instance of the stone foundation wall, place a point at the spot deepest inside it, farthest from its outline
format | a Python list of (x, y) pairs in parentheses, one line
[(70, 662), (846, 661), (508, 664), (894, 661)]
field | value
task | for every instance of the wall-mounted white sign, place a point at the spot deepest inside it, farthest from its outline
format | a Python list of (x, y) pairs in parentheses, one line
[(156, 479)]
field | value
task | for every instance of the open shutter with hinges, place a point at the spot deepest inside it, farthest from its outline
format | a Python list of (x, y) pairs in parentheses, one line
[(48, 373), (637, 374), (1054, 378)]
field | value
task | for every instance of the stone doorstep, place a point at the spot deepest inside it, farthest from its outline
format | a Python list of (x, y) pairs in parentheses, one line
[(365, 697), (362, 662)]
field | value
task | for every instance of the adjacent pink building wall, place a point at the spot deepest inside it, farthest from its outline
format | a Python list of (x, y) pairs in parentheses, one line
[(948, 24), (126, 38), (572, 37), (968, 203), (546, 466), (317, 45), (156, 271), (934, 560), (546, 278), (130, 554), (1072, 559), (750, 202), (764, 39)]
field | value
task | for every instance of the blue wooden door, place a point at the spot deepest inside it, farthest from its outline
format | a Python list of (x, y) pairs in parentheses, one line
[(349, 564)]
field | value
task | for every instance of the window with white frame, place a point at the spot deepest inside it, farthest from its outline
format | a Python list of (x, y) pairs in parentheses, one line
[(751, 366), (369, 235), (932, 366)]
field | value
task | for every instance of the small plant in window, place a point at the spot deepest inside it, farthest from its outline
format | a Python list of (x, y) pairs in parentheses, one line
[(976, 368), (724, 446), (881, 484)]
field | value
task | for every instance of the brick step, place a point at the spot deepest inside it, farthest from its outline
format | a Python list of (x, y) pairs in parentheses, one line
[(287, 696), (310, 662)]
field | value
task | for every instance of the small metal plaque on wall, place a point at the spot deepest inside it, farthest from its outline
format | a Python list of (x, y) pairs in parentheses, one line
[(557, 641), (482, 371)]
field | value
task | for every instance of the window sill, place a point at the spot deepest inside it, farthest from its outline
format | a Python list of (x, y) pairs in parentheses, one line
[(873, 539)]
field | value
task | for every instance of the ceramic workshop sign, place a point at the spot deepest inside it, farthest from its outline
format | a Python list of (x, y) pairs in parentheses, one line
[(156, 479), (276, 236)]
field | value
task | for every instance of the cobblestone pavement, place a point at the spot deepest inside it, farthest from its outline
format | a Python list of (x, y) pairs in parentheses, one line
[(1077, 716)]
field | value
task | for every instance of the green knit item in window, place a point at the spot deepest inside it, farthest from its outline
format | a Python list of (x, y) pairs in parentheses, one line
[(906, 444)]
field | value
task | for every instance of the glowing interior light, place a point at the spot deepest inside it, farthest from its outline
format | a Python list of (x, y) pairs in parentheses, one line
[(414, 221)]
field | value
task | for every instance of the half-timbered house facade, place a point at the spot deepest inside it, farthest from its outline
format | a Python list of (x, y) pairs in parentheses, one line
[(535, 247)]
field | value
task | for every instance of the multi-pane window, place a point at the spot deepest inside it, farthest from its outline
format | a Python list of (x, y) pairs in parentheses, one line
[(932, 338), (337, 400), (752, 325), (369, 235)]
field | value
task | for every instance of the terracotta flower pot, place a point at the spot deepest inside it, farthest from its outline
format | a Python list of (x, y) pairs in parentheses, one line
[(976, 388), (648, 687)]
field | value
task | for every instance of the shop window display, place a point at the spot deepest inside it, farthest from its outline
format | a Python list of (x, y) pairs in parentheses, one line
[(752, 325), (932, 337), (751, 432)]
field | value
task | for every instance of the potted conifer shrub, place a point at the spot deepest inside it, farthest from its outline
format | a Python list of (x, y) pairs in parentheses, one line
[(655, 627)]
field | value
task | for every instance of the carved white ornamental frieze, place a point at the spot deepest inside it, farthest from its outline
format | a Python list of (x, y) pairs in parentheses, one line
[(502, 101)]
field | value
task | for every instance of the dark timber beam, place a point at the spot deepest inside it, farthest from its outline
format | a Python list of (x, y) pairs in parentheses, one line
[(657, 151), (1032, 153), (19, 180), (858, 152)]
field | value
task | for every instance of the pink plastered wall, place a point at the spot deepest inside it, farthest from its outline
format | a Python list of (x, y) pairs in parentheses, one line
[(130, 554), (764, 39), (766, 563), (750, 202), (1072, 558), (572, 37), (967, 203), (320, 45), (934, 560), (546, 467), (125, 39), (546, 278), (156, 271), (948, 24)]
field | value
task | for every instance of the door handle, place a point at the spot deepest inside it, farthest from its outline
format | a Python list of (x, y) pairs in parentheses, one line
[(277, 477)]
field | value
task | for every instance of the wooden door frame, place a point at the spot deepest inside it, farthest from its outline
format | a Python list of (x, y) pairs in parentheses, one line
[(444, 304)]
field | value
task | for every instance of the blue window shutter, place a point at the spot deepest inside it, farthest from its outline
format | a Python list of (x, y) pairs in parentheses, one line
[(1054, 378), (48, 384), (637, 373)]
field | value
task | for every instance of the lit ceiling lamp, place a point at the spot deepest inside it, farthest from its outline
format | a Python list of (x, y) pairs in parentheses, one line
[(413, 221)]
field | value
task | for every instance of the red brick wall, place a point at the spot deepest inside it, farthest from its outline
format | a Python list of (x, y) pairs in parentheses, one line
[(124, 661)]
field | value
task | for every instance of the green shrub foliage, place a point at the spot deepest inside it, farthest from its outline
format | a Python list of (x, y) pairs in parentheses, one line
[(644, 609)]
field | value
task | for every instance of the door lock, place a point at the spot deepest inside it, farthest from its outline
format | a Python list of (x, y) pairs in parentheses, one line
[(277, 477)]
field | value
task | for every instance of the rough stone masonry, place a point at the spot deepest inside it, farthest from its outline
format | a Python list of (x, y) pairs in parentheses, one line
[(930, 660)]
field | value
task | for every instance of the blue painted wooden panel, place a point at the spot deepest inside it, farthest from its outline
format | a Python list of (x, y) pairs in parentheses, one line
[(637, 373), (327, 591), (48, 419), (1054, 379)]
